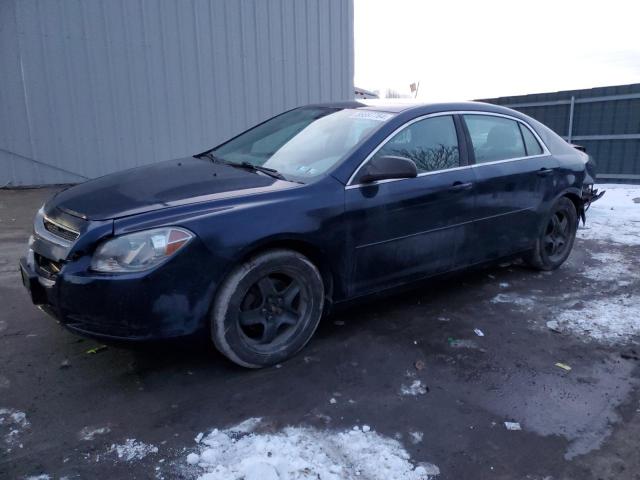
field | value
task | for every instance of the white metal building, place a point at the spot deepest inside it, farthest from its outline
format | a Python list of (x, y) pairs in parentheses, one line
[(88, 87)]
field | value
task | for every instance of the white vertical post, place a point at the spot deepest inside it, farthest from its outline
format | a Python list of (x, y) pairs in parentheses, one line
[(571, 105)]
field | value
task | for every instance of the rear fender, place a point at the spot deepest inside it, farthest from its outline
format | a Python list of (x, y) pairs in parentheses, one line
[(582, 199)]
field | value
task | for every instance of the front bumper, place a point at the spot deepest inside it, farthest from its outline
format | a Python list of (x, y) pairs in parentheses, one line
[(170, 301), (31, 282)]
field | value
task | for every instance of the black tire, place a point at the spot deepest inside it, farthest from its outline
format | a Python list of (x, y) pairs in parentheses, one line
[(555, 242), (267, 309)]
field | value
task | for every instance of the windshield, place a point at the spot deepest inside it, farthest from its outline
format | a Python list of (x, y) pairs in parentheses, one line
[(303, 143)]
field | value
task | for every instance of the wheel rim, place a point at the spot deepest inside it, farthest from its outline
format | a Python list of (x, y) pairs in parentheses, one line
[(557, 235), (271, 310)]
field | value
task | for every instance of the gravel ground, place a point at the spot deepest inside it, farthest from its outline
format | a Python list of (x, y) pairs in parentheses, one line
[(412, 385)]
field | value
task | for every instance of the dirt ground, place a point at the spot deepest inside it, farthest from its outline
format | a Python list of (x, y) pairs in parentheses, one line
[(408, 365)]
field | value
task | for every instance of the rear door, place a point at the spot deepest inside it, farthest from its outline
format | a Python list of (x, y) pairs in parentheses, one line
[(514, 175), (400, 230)]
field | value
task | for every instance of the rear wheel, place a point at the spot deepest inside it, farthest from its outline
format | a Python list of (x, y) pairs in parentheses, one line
[(267, 309), (555, 242)]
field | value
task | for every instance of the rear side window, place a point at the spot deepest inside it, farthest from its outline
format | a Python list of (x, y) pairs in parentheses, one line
[(530, 142), (494, 138), (431, 143)]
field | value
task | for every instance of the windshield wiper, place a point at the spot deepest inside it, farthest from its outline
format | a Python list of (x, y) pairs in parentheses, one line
[(272, 172), (212, 157)]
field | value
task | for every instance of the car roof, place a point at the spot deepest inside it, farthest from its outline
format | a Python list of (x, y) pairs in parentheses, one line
[(404, 105)]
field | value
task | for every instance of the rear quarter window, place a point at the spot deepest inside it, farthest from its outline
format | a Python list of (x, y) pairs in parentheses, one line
[(531, 144)]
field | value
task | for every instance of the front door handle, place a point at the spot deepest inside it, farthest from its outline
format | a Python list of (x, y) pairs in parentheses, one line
[(544, 172), (458, 186)]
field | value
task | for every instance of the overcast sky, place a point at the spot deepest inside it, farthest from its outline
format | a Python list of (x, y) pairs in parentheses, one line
[(461, 50)]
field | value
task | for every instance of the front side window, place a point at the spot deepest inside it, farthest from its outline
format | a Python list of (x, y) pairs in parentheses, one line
[(431, 143), (494, 138), (303, 143)]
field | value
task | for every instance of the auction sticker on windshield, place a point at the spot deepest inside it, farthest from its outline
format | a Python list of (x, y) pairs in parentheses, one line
[(379, 116)]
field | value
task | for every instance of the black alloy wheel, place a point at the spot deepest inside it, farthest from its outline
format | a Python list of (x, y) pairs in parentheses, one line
[(557, 235), (267, 309), (554, 244), (272, 308)]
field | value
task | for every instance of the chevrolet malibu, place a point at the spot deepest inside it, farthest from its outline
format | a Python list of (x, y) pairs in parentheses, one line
[(253, 240)]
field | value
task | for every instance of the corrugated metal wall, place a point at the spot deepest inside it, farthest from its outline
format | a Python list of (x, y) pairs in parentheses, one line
[(88, 87), (606, 121)]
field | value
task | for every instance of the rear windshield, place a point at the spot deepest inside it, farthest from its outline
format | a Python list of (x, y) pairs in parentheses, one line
[(303, 143)]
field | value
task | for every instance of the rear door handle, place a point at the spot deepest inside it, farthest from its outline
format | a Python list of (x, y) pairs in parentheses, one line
[(458, 186), (543, 172)]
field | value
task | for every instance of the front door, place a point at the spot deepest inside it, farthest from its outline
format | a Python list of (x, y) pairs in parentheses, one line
[(402, 230)]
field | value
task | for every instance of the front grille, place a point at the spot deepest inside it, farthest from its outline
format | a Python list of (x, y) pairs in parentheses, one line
[(49, 267), (59, 230)]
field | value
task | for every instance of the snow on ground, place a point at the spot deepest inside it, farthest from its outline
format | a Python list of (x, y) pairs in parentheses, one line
[(513, 298), (89, 433), (615, 217), (416, 388), (612, 267), (12, 424), (297, 453), (132, 450), (610, 319)]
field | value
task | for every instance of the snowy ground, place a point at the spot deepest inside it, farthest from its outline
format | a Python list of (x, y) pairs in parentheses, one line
[(597, 304), (13, 423), (298, 453), (612, 319), (613, 316), (615, 217)]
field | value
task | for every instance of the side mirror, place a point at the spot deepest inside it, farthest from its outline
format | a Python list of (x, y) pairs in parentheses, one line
[(387, 167)]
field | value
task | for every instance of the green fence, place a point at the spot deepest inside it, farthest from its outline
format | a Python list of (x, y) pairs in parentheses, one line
[(605, 120)]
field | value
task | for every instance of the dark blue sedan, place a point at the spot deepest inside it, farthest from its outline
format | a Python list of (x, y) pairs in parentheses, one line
[(254, 239)]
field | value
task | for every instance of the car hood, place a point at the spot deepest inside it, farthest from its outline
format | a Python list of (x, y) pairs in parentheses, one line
[(160, 185)]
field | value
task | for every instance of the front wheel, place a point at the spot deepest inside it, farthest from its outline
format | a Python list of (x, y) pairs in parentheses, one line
[(267, 309), (555, 242)]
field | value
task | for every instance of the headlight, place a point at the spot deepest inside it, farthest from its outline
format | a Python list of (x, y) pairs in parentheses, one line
[(139, 251)]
